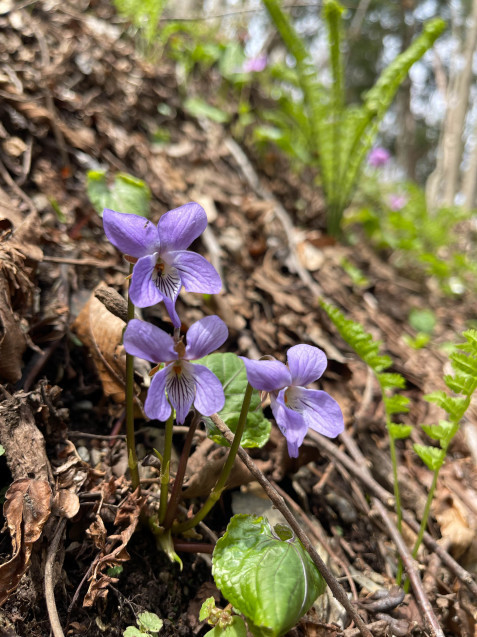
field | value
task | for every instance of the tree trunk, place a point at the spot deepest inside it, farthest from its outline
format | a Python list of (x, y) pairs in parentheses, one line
[(444, 182)]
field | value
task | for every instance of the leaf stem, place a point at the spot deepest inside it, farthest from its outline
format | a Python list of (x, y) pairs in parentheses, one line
[(130, 440), (227, 468)]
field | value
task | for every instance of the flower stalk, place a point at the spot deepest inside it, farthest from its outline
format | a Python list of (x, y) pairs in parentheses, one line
[(130, 439), (226, 470)]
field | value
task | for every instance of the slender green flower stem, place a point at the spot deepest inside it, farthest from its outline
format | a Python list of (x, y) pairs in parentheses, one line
[(179, 479), (130, 441), (227, 468), (165, 467)]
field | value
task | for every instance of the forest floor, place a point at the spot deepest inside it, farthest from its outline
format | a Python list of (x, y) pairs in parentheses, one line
[(75, 96)]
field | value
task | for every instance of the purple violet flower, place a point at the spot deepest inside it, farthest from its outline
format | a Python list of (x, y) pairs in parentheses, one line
[(185, 382), (295, 408), (162, 263), (379, 157), (396, 202), (256, 64)]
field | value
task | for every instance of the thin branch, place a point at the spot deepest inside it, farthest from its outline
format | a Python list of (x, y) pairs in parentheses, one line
[(410, 566), (49, 584), (361, 472), (336, 588)]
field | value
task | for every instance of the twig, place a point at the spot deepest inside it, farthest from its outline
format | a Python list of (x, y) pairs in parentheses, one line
[(49, 585), (336, 588), (94, 263), (409, 565), (361, 472)]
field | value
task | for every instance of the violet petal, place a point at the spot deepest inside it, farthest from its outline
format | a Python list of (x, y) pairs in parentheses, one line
[(157, 406), (197, 274), (131, 234), (306, 363), (291, 423), (209, 397), (320, 411), (180, 386), (143, 291), (267, 375), (179, 227), (205, 336), (149, 342)]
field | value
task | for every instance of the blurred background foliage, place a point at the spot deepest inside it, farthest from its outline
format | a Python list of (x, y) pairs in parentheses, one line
[(296, 77)]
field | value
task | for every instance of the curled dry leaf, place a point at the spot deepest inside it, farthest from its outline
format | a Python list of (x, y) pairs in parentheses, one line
[(102, 333), (127, 516), (65, 504), (26, 509)]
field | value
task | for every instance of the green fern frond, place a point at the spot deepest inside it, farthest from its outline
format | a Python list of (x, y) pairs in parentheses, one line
[(471, 345), (363, 343), (455, 406), (396, 404), (391, 381)]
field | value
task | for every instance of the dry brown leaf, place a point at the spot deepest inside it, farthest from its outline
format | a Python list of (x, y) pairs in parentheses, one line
[(26, 509), (453, 519), (128, 516), (65, 504), (17, 254), (102, 333)]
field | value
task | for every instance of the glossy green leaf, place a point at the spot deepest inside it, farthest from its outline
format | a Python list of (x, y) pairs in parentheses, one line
[(126, 194), (273, 582), (230, 370), (432, 457), (398, 432)]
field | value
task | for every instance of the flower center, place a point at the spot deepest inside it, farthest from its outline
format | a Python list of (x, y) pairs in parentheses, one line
[(166, 279), (291, 399)]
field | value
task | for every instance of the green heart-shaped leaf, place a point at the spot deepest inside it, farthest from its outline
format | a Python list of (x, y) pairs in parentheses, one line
[(271, 580), (230, 370)]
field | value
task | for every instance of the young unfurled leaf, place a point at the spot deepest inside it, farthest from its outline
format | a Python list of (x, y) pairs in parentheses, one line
[(397, 431), (132, 631), (230, 370), (432, 457), (206, 609), (273, 582)]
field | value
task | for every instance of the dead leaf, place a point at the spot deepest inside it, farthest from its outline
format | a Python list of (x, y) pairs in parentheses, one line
[(453, 519), (127, 516), (65, 504), (102, 333), (26, 509)]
